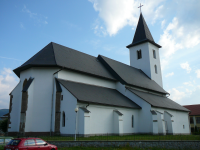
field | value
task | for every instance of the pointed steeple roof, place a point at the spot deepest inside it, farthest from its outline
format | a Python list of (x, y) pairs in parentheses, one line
[(142, 34)]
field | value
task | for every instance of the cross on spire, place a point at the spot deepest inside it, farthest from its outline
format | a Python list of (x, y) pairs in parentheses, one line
[(140, 7)]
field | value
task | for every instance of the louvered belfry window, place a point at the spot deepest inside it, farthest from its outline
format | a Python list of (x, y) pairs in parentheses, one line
[(139, 54)]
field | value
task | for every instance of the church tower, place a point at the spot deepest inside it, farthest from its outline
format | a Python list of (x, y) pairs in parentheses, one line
[(144, 52)]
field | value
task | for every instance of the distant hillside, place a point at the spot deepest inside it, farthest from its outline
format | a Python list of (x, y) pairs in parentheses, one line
[(3, 112)]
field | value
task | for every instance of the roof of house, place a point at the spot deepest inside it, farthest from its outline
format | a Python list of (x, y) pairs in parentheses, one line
[(129, 75), (55, 55), (60, 56), (158, 101), (98, 95), (142, 34), (195, 109)]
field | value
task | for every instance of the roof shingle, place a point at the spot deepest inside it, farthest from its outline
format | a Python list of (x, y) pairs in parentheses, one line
[(195, 109), (98, 95), (158, 101), (129, 75)]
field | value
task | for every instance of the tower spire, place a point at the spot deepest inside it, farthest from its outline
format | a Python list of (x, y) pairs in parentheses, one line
[(142, 34)]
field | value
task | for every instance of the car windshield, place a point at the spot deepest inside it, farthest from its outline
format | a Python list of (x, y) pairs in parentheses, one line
[(14, 142)]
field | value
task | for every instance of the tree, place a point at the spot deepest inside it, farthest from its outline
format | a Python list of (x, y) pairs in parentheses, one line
[(3, 125)]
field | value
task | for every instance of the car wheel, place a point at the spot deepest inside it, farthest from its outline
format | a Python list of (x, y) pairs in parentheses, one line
[(52, 149)]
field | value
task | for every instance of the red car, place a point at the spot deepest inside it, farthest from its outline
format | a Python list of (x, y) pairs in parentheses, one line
[(29, 144)]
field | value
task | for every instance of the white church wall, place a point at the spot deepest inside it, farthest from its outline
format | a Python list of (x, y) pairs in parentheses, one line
[(29, 124), (145, 118), (16, 109), (180, 118), (81, 122), (157, 77), (68, 105), (115, 123), (52, 128), (168, 121), (147, 62), (102, 119), (87, 123), (42, 91), (84, 78), (144, 62)]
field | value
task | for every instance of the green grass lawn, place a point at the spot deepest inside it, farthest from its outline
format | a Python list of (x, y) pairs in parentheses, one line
[(110, 148), (2, 147), (125, 137)]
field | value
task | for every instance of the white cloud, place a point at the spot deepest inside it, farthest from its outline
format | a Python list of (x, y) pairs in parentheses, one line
[(117, 14), (169, 74), (198, 73), (99, 29), (7, 84), (183, 32), (38, 18), (163, 23), (11, 58), (186, 94), (186, 66), (176, 95)]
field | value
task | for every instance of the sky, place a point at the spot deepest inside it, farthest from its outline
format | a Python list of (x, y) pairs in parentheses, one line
[(104, 27)]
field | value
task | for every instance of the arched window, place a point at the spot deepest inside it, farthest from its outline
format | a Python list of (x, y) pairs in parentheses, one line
[(25, 81), (132, 122), (63, 119), (155, 69)]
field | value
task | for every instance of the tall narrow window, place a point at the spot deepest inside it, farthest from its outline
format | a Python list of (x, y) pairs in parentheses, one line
[(139, 54), (132, 121), (61, 97), (154, 54), (63, 119), (198, 120), (155, 69)]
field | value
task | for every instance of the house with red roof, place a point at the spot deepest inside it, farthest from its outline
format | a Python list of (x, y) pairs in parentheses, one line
[(194, 116)]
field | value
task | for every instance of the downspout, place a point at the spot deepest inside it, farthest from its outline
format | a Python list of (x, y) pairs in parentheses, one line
[(52, 101), (167, 95), (87, 105)]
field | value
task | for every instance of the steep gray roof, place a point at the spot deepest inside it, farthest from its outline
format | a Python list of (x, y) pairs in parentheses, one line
[(129, 75), (55, 55), (142, 34), (158, 101), (97, 95)]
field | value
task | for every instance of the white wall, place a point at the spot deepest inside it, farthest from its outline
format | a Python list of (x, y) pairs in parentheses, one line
[(102, 119), (180, 118), (168, 120), (16, 109), (156, 77), (147, 62), (84, 78), (30, 109), (68, 105), (144, 120), (41, 98)]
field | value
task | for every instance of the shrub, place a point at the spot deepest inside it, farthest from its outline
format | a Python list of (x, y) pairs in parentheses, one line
[(3, 125)]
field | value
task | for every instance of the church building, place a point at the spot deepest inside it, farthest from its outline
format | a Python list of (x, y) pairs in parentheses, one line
[(108, 96)]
